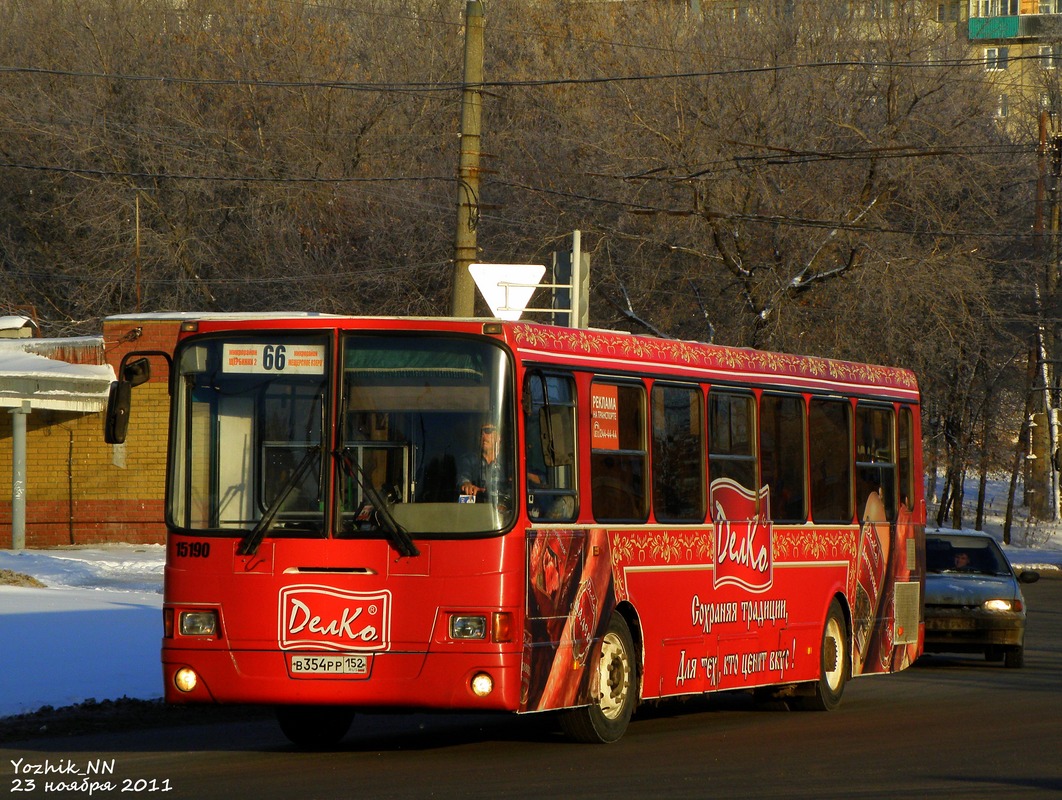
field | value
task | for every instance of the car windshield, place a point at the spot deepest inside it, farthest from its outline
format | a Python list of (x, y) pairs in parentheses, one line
[(966, 554)]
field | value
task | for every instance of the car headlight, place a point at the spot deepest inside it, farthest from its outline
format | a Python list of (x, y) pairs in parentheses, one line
[(1001, 605)]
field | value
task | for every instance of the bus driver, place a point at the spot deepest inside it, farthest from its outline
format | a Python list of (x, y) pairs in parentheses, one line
[(482, 476)]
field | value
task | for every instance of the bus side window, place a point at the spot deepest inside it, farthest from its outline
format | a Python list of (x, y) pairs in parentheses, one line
[(783, 455), (905, 456), (830, 437), (875, 459), (678, 453), (618, 455), (731, 438), (549, 431)]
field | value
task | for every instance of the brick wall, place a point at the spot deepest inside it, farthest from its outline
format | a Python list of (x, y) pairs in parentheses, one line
[(80, 490)]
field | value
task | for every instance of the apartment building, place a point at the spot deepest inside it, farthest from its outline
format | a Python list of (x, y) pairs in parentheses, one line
[(1019, 42)]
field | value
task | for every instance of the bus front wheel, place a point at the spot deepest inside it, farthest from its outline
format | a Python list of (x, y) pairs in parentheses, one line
[(314, 727), (835, 661), (605, 719)]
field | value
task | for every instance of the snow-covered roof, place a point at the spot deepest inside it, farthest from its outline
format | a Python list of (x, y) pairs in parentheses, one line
[(180, 316), (16, 327), (50, 383)]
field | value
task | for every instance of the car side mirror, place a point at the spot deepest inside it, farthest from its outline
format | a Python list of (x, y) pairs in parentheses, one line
[(1029, 576)]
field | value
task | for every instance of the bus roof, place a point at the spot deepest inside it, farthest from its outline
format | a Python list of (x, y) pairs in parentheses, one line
[(711, 363), (610, 350)]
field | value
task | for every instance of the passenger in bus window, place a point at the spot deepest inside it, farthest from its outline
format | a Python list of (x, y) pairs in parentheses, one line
[(483, 476)]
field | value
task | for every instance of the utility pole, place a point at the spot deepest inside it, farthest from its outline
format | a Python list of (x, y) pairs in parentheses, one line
[(137, 251), (1041, 182), (19, 414), (464, 292), (1045, 439), (1050, 377), (1051, 282)]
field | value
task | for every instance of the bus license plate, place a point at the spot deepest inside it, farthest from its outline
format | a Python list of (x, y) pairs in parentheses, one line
[(338, 666)]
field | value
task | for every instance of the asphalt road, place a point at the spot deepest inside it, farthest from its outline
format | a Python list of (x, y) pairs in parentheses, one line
[(949, 727)]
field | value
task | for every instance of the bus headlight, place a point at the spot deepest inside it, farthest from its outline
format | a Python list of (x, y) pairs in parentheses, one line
[(198, 623), (468, 626), (482, 684), (185, 679)]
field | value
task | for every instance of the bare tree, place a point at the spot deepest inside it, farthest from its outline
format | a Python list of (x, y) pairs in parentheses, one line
[(810, 177)]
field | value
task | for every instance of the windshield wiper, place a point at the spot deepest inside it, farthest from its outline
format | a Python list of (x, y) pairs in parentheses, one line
[(254, 537), (397, 535)]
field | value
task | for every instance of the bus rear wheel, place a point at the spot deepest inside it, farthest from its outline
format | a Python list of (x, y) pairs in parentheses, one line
[(314, 727), (835, 662), (605, 720)]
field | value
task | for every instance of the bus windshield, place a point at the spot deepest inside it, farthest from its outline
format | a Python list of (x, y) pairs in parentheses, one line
[(248, 442), (426, 429), (417, 439)]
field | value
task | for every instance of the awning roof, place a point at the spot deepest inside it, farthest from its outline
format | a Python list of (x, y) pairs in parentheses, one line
[(48, 383)]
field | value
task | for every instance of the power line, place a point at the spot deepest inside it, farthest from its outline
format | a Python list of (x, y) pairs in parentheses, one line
[(450, 86), (176, 176), (785, 156), (771, 219), (628, 206), (116, 276)]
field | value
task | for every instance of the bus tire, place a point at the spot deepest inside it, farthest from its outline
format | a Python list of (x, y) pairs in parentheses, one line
[(606, 720), (835, 663), (314, 727)]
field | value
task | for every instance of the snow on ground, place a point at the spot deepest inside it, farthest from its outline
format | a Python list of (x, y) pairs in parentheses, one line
[(95, 631)]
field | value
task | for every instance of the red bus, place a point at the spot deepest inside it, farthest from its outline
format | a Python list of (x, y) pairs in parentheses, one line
[(503, 516)]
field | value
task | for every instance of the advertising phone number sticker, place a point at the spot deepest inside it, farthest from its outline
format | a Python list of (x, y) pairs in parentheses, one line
[(274, 359), (329, 666)]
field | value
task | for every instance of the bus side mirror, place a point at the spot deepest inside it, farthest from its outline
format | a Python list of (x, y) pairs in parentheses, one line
[(120, 399), (116, 423), (557, 439), (136, 372)]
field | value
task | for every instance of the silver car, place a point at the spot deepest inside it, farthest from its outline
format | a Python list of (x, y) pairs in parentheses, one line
[(973, 598)]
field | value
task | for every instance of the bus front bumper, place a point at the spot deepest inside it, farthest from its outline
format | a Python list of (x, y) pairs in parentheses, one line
[(456, 680)]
